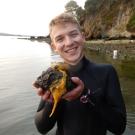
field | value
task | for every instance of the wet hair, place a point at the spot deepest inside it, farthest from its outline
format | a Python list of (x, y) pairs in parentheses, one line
[(62, 19)]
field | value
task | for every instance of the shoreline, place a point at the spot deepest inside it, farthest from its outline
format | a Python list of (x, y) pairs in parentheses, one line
[(125, 48)]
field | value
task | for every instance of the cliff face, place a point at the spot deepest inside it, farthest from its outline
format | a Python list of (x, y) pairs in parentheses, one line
[(111, 19)]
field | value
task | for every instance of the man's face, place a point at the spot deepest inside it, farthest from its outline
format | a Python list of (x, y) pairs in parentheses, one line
[(68, 41)]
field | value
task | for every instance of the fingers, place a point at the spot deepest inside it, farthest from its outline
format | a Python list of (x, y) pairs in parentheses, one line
[(76, 92), (78, 82), (35, 85), (40, 92), (45, 94)]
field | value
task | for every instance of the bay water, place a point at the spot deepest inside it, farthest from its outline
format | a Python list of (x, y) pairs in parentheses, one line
[(21, 61)]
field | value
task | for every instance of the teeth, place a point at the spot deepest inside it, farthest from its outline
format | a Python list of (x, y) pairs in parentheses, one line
[(71, 50)]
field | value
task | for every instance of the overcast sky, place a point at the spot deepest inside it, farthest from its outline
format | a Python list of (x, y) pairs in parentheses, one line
[(30, 17)]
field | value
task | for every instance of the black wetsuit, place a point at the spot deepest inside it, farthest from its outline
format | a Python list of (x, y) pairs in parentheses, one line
[(105, 112)]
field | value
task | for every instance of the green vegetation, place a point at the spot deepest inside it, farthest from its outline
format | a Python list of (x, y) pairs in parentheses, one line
[(105, 18), (131, 23), (91, 6), (110, 17), (71, 6)]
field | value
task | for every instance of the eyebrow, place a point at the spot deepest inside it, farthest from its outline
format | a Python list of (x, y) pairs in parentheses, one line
[(70, 32), (73, 31), (57, 37)]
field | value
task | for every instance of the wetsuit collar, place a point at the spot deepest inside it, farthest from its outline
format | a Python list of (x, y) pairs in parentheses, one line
[(76, 68)]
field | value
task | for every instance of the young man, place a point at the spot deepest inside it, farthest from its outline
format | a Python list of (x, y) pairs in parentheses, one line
[(96, 104)]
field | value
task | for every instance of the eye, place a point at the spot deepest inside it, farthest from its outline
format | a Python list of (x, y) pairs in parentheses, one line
[(59, 39), (74, 34)]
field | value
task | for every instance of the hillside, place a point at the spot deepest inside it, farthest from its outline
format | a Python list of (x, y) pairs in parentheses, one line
[(111, 19)]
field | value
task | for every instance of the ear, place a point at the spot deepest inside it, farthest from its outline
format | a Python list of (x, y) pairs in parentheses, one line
[(83, 36), (53, 47)]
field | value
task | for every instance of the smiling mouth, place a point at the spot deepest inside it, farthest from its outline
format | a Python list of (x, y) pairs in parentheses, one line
[(71, 50)]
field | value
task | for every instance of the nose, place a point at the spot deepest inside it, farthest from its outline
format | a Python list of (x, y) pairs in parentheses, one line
[(68, 41)]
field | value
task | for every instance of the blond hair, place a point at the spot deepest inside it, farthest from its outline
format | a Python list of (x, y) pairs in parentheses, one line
[(62, 19)]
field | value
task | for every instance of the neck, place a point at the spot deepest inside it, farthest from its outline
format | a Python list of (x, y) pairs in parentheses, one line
[(77, 67), (76, 62)]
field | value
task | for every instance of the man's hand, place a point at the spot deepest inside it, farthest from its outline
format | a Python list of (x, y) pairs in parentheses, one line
[(73, 94), (76, 92), (45, 94)]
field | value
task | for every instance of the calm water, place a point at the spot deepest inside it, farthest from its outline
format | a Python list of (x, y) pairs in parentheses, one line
[(21, 61)]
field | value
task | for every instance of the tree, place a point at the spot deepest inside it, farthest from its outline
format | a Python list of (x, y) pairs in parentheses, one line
[(80, 13), (71, 7), (91, 6)]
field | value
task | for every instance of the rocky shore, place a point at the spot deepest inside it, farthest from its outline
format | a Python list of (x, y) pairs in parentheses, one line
[(125, 48)]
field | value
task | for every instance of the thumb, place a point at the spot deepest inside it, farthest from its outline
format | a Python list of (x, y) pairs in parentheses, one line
[(76, 80)]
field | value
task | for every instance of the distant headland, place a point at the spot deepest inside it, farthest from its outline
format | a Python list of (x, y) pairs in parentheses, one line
[(29, 37)]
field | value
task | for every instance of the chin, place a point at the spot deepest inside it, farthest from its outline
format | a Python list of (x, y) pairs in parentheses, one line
[(73, 61)]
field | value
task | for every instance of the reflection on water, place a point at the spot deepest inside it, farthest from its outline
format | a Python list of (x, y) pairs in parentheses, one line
[(21, 61), (126, 72)]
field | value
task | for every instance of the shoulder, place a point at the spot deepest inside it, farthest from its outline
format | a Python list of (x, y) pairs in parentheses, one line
[(100, 68)]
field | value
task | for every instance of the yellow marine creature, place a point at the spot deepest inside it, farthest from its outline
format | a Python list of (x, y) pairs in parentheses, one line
[(55, 79)]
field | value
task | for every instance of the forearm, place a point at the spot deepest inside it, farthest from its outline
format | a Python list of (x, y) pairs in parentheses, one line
[(43, 122), (113, 108)]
